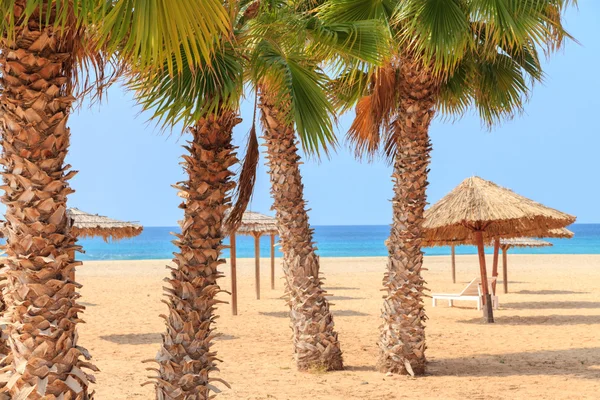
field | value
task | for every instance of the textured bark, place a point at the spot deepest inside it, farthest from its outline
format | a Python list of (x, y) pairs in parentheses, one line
[(185, 358), (41, 301), (402, 340), (316, 343), (5, 354)]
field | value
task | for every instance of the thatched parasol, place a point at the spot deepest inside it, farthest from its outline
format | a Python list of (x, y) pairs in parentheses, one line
[(86, 225), (253, 224), (562, 233), (480, 211), (92, 225), (506, 244)]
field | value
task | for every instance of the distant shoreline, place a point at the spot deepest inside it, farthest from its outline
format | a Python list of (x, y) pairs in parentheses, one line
[(354, 258)]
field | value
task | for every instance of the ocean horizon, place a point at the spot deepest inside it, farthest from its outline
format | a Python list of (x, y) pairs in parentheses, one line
[(331, 241)]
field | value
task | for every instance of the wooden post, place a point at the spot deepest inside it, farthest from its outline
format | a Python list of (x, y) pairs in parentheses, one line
[(453, 263), (272, 261), (505, 268), (488, 312), (233, 257), (257, 264), (495, 265)]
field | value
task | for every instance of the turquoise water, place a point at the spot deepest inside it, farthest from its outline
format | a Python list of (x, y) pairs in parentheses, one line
[(332, 241)]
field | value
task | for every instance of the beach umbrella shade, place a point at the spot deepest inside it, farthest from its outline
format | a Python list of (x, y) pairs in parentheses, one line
[(253, 224), (480, 211)]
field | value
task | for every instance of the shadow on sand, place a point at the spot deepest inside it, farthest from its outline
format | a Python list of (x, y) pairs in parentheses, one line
[(539, 320), (334, 298), (148, 338), (552, 305), (578, 362), (333, 288), (341, 313), (549, 292)]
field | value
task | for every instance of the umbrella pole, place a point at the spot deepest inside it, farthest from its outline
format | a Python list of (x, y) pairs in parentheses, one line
[(272, 261), (495, 265), (452, 249), (233, 256), (257, 264), (505, 268), (488, 313)]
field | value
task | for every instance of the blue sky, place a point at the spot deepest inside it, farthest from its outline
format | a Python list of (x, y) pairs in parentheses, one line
[(550, 154)]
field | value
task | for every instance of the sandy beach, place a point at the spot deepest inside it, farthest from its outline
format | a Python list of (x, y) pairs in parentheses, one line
[(545, 344)]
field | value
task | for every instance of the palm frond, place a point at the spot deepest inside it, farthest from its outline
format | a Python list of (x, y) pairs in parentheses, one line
[(436, 30), (499, 89), (348, 87), (356, 10), (191, 95), (366, 41), (375, 112), (155, 32), (299, 87)]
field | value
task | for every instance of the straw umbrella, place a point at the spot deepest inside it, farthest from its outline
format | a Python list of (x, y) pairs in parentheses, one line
[(256, 225), (82, 225), (506, 244), (480, 211), (85, 225)]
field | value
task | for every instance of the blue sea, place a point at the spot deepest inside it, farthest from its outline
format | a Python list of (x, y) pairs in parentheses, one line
[(332, 241)]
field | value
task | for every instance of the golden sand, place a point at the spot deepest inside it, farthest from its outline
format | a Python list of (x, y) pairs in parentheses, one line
[(545, 344)]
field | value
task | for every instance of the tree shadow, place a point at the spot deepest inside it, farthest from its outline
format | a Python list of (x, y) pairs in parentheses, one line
[(332, 288), (549, 292), (86, 304), (349, 313), (334, 298), (276, 314), (360, 368), (539, 320), (552, 305), (133, 338), (578, 362), (148, 338), (342, 313)]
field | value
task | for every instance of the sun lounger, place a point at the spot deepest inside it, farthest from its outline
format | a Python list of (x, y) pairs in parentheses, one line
[(472, 292)]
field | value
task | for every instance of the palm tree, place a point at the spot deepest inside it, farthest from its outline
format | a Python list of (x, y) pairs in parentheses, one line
[(448, 56), (293, 100), (262, 50), (46, 49)]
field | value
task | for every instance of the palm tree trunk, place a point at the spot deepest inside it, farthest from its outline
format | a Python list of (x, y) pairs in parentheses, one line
[(41, 301), (185, 358), (316, 343), (402, 340)]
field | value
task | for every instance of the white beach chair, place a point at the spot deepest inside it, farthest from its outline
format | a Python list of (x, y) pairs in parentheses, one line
[(472, 292)]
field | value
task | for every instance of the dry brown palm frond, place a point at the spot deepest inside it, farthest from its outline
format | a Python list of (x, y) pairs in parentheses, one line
[(245, 184), (364, 131), (374, 114), (385, 93)]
